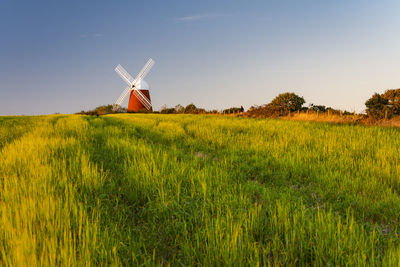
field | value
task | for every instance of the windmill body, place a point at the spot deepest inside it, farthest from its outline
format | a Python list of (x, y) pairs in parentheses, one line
[(138, 89), (134, 104)]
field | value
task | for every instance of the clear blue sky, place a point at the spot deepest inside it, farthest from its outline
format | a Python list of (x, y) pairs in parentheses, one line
[(59, 56)]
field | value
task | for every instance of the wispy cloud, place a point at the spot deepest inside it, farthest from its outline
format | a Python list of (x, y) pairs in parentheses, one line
[(198, 17)]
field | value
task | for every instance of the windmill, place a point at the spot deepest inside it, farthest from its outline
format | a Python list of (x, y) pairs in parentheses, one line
[(137, 88)]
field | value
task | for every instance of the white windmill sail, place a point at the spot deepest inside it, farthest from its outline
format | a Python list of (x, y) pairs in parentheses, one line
[(124, 75), (122, 97), (132, 84), (144, 70)]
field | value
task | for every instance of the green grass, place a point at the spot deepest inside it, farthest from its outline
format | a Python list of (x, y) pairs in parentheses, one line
[(197, 190)]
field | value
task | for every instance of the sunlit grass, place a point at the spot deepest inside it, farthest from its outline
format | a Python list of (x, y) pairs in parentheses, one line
[(197, 190)]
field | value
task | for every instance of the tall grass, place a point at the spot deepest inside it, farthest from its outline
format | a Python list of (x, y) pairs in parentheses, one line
[(197, 190)]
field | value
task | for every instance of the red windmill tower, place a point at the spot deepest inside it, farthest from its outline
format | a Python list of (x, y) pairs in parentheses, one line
[(138, 89)]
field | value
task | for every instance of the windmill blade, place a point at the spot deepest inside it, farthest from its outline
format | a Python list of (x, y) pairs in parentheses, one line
[(124, 75), (142, 98), (122, 97), (144, 71)]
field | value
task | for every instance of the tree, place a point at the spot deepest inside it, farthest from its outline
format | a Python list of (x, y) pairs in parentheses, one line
[(287, 102), (384, 105), (377, 106), (281, 105), (191, 108), (320, 108), (166, 110), (393, 100), (179, 108)]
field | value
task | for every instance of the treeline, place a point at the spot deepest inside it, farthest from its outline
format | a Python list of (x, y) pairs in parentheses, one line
[(282, 105), (288, 103), (179, 109), (102, 110), (379, 106), (192, 109)]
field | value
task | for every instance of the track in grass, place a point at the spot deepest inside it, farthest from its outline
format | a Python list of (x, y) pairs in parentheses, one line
[(197, 190)]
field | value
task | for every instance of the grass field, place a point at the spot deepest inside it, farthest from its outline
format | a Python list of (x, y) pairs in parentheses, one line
[(197, 190)]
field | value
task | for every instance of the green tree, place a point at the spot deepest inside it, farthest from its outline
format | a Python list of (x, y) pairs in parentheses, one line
[(166, 110), (384, 105), (376, 106), (191, 108), (179, 108), (287, 102), (393, 100)]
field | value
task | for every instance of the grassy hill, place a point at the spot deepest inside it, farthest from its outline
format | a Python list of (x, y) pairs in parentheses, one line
[(197, 190)]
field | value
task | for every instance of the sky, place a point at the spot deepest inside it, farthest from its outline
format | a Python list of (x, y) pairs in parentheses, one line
[(59, 56)]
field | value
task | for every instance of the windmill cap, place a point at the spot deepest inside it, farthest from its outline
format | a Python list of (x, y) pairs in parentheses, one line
[(142, 84)]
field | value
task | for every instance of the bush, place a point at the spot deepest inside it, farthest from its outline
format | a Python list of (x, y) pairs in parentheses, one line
[(319, 108), (233, 110), (168, 111), (192, 109)]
